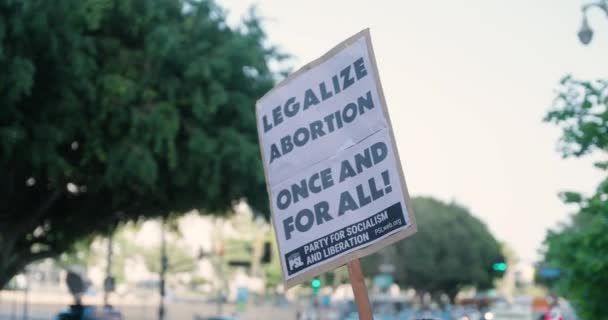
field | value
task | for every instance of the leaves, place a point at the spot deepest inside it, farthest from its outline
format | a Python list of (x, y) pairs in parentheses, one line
[(141, 107), (581, 109), (571, 197), (580, 248), (451, 249)]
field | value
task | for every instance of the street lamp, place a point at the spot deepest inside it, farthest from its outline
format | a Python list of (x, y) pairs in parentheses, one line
[(585, 34)]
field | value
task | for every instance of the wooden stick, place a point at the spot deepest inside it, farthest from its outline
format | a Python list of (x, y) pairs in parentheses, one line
[(360, 290)]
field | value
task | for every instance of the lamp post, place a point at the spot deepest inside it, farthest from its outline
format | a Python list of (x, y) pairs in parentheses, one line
[(163, 269), (108, 282), (585, 33), (25, 294)]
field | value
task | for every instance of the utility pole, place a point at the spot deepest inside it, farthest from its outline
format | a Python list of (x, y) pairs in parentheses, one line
[(13, 308), (220, 257), (163, 269), (220, 294), (25, 295), (108, 283)]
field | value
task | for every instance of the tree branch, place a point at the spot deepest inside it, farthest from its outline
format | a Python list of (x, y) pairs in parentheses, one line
[(10, 238), (9, 269), (39, 256), (31, 220)]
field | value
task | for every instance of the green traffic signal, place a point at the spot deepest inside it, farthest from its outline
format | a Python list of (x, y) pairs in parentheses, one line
[(316, 283), (499, 266)]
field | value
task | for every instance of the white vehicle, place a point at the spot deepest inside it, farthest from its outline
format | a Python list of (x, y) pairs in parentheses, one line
[(384, 306)]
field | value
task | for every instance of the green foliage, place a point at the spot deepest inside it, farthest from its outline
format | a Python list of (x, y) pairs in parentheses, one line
[(239, 250), (93, 251), (179, 260), (451, 249), (580, 248), (113, 110), (580, 108), (123, 249), (80, 255), (273, 274)]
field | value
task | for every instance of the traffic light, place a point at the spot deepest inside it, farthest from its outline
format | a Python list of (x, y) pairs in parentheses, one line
[(499, 265), (239, 263), (267, 253), (315, 284)]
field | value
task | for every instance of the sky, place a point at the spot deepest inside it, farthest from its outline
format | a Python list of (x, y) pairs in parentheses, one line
[(467, 84)]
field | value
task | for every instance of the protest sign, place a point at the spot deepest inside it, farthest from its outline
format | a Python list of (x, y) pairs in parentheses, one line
[(336, 186)]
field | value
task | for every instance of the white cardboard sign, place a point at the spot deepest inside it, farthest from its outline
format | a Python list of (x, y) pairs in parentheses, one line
[(337, 190)]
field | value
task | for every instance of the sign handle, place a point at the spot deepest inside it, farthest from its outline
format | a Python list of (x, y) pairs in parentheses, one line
[(359, 290)]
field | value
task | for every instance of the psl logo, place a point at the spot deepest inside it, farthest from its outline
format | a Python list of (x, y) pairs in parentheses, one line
[(294, 261)]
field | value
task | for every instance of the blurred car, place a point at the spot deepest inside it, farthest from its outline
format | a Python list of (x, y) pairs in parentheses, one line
[(554, 309), (80, 312), (466, 313), (385, 308), (562, 311), (403, 311), (553, 314), (216, 318), (428, 314), (508, 312)]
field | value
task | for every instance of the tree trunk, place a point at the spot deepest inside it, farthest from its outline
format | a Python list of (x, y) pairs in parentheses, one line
[(452, 295), (7, 272), (6, 253), (13, 261), (15, 250), (3, 279)]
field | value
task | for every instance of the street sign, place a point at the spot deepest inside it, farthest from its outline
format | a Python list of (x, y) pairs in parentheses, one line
[(383, 281), (546, 272), (333, 173)]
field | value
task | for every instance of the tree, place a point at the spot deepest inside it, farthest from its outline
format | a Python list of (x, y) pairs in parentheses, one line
[(179, 260), (451, 249), (114, 110), (88, 252), (580, 248), (273, 275)]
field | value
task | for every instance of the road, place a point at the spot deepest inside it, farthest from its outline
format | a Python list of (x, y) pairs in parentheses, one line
[(12, 309)]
